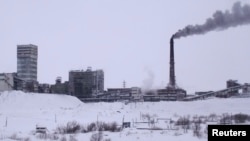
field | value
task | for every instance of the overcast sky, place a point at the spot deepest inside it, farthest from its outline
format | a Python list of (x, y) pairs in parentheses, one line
[(128, 39)]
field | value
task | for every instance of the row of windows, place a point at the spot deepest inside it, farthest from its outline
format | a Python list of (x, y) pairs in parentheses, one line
[(19, 52), (24, 60), (27, 76), (27, 67), (25, 48), (27, 72)]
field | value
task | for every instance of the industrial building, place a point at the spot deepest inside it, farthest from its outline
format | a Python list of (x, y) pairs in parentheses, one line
[(10, 81), (232, 83), (117, 94), (7, 81), (44, 88), (86, 84), (27, 56), (59, 87), (26, 77), (133, 93), (136, 94), (171, 93)]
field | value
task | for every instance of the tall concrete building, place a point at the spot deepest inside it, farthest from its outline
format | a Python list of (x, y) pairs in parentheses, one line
[(85, 84), (27, 56)]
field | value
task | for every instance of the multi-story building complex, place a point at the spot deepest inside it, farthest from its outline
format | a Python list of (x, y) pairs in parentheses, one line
[(85, 84)]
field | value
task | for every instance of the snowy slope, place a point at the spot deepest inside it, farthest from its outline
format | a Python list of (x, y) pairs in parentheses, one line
[(24, 101), (23, 111)]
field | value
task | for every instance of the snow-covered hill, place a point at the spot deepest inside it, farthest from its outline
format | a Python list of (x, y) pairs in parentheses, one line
[(18, 100), (21, 112)]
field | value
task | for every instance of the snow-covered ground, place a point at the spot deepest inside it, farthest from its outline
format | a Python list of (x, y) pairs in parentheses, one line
[(21, 112)]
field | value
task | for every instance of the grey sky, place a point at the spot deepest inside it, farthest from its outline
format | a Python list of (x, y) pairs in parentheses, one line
[(128, 39)]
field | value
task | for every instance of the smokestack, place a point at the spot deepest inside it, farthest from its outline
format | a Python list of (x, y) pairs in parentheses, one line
[(171, 71)]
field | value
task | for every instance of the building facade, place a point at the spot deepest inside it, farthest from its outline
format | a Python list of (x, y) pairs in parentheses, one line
[(7, 81), (10, 81), (27, 56), (117, 94), (136, 93), (44, 88), (59, 87), (86, 84)]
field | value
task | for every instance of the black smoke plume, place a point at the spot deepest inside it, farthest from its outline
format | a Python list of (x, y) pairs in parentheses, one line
[(239, 15)]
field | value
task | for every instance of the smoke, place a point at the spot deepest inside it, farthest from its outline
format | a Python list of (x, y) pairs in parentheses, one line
[(149, 81), (239, 15)]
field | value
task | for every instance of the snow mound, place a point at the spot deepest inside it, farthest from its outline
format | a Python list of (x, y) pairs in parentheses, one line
[(18, 100)]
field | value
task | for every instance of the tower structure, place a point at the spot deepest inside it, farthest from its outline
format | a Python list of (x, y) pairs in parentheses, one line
[(27, 56), (172, 92), (171, 69)]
